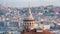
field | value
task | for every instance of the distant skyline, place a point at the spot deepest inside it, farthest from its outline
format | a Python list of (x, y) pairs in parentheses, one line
[(24, 3)]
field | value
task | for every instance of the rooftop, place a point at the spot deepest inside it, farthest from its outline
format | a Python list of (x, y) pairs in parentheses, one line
[(44, 32)]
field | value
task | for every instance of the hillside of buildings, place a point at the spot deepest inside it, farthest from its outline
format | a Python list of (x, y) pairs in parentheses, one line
[(42, 14)]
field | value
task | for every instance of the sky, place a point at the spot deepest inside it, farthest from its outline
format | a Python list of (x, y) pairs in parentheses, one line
[(24, 3)]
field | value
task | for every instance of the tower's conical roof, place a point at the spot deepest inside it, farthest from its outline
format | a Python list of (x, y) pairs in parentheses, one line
[(30, 16), (30, 13)]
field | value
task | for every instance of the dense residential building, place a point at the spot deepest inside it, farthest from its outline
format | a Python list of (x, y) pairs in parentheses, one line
[(44, 16)]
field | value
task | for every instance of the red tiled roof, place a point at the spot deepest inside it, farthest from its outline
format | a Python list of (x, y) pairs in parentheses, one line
[(44, 32)]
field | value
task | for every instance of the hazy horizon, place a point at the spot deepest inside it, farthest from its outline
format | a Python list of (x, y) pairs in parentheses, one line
[(24, 3)]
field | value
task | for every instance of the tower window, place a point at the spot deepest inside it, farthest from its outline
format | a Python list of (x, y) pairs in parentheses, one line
[(25, 23), (30, 23)]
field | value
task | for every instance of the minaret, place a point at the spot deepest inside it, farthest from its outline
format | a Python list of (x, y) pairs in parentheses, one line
[(29, 23)]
